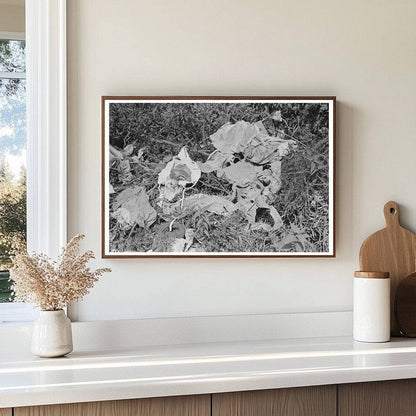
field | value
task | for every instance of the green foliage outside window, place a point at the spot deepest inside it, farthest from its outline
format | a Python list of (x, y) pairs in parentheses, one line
[(12, 145), (12, 224)]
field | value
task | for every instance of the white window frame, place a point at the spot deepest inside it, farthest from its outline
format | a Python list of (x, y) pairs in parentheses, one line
[(46, 127)]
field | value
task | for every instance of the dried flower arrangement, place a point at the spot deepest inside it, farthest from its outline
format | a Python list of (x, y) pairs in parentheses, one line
[(53, 285)]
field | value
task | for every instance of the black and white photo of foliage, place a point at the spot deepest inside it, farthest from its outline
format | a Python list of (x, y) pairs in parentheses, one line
[(216, 177)]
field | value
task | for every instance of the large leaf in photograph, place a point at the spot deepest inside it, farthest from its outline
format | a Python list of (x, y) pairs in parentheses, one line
[(201, 202), (177, 174), (271, 179), (182, 169), (241, 173), (263, 149), (132, 206), (233, 138), (124, 170), (216, 160), (210, 203), (250, 201)]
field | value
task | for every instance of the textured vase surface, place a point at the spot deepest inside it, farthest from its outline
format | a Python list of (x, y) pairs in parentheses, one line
[(52, 334)]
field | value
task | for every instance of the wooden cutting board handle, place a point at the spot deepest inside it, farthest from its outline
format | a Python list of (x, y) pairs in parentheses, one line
[(391, 214), (393, 250)]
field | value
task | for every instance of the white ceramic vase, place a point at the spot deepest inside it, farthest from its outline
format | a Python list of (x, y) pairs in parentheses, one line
[(52, 334)]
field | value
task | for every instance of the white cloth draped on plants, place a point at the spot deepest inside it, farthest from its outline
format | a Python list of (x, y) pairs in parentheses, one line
[(246, 158)]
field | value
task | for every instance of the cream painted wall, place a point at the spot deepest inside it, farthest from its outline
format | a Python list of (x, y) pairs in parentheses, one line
[(361, 51), (12, 18)]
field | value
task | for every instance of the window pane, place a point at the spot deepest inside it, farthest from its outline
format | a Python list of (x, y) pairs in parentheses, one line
[(12, 175), (12, 56)]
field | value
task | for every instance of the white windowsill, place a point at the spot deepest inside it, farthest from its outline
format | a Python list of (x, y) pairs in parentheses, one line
[(16, 313)]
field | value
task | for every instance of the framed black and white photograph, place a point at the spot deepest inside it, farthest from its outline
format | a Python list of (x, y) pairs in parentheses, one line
[(218, 176)]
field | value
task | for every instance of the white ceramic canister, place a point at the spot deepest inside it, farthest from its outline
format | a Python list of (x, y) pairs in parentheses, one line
[(52, 334), (371, 313)]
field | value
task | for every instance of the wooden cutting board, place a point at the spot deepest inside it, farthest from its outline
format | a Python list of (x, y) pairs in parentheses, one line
[(393, 250)]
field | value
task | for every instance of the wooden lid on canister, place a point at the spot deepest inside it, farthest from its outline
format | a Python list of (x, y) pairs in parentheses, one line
[(372, 275)]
